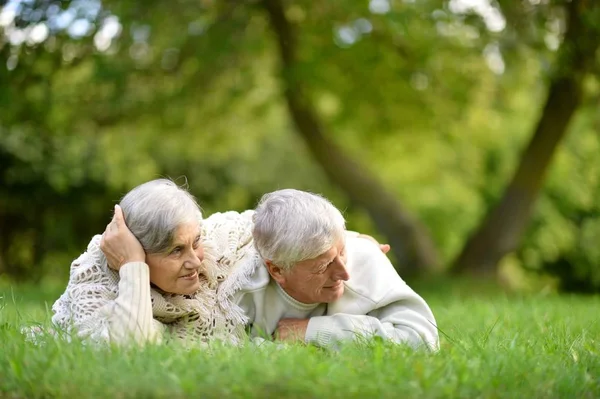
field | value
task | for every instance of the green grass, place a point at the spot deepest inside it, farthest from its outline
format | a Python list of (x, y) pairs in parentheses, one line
[(493, 345)]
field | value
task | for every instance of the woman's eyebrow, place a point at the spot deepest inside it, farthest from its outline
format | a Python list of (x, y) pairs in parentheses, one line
[(180, 243)]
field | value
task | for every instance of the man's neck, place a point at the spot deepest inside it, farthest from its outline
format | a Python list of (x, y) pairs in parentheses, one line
[(293, 299)]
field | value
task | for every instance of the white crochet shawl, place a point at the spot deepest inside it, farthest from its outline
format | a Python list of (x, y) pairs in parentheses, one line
[(208, 314)]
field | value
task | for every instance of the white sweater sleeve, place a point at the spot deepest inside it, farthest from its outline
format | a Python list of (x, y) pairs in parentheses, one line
[(101, 305), (402, 321), (130, 317)]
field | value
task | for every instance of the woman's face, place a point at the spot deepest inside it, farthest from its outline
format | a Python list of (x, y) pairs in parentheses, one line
[(179, 269)]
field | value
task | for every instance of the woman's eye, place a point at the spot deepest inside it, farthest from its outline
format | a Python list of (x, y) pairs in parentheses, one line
[(176, 251), (196, 243)]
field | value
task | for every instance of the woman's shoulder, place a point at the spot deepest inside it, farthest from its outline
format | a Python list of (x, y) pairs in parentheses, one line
[(230, 217), (229, 231), (92, 251), (91, 265)]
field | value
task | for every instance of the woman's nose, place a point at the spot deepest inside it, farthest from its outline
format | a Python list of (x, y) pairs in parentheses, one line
[(196, 258)]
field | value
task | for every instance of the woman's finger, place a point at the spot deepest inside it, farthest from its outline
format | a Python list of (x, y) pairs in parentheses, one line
[(118, 217), (112, 226)]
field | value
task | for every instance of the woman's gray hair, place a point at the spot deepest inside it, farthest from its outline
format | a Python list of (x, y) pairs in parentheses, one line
[(154, 210), (291, 226)]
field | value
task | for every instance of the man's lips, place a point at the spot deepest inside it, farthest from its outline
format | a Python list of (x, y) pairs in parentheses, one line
[(336, 285)]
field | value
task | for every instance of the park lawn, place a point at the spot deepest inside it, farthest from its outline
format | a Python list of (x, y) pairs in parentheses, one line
[(494, 345)]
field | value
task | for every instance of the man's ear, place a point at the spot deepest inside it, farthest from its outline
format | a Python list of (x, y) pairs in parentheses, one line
[(275, 271)]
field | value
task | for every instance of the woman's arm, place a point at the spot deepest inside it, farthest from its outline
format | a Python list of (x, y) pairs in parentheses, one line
[(102, 305), (130, 316), (109, 304)]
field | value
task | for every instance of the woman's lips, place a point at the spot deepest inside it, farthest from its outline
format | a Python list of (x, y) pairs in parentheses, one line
[(190, 276)]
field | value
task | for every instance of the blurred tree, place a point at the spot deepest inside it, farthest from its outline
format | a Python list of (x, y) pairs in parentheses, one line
[(432, 97), (411, 242), (501, 231)]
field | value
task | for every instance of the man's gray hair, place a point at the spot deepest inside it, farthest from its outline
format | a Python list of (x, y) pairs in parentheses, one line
[(154, 210), (291, 226)]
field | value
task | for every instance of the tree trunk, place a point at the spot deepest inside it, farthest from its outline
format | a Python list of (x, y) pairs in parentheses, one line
[(410, 241), (503, 227)]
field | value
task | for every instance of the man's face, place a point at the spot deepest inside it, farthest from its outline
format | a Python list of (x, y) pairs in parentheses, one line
[(317, 280)]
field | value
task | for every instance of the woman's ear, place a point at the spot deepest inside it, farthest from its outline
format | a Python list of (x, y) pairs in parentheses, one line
[(275, 271)]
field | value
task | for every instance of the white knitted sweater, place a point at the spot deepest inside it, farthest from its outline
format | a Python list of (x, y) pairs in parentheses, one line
[(100, 304)]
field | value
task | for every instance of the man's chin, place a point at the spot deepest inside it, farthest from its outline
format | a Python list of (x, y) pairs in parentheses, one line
[(335, 294)]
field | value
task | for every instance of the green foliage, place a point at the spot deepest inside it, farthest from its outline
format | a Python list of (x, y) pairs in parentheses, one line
[(563, 237), (438, 105)]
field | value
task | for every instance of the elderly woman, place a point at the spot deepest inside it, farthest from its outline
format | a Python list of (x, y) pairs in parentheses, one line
[(177, 283)]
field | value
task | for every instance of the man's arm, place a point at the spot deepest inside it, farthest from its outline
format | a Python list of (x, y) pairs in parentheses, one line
[(376, 302), (406, 319)]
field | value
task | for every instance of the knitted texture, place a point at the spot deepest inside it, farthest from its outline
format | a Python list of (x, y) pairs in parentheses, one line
[(208, 314)]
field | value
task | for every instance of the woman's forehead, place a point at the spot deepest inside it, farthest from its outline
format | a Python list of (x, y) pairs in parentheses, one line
[(187, 231)]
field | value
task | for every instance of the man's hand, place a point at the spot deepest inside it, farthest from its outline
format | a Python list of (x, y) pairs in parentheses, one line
[(291, 330), (119, 244), (385, 248)]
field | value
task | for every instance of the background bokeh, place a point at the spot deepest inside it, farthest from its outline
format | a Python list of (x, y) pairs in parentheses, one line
[(463, 132)]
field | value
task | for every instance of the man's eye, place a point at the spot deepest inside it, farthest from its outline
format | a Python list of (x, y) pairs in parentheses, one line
[(324, 268), (176, 251)]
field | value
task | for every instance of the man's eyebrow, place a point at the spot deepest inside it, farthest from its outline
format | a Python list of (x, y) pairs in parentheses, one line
[(328, 260), (324, 262), (319, 266)]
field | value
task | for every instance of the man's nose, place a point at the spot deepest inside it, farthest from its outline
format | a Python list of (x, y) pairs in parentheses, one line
[(341, 272)]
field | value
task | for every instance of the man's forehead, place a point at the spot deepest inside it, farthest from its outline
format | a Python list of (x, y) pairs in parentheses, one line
[(331, 251)]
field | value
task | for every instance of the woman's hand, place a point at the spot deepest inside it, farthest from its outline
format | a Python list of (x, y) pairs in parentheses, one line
[(385, 248), (118, 243)]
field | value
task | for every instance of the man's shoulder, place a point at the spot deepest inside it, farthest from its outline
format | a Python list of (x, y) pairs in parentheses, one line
[(258, 280), (372, 274)]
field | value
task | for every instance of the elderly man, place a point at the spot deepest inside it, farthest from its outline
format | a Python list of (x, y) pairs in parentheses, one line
[(322, 285)]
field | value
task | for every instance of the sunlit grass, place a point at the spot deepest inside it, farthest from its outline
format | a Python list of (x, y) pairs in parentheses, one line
[(493, 345)]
